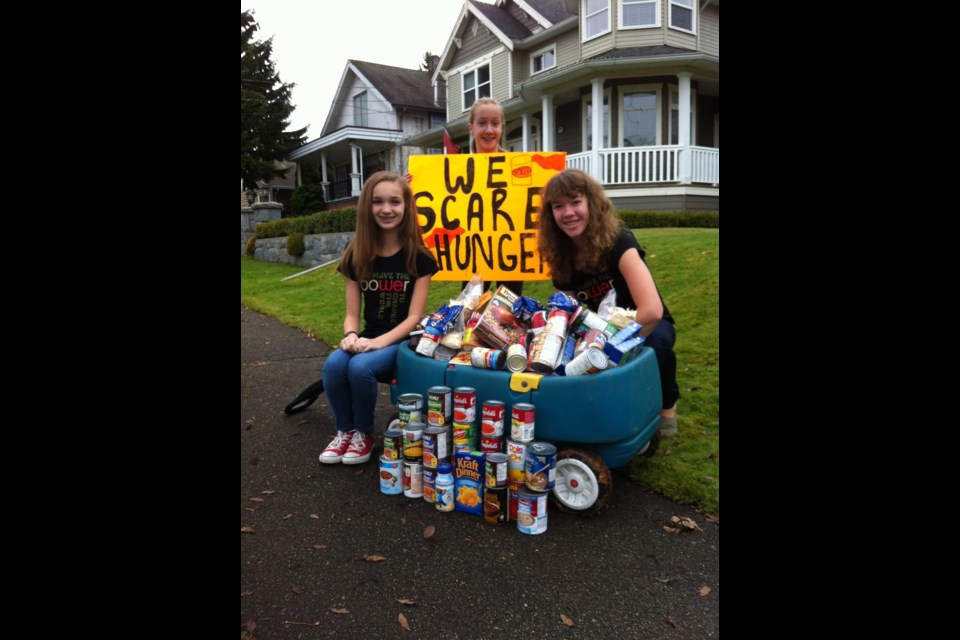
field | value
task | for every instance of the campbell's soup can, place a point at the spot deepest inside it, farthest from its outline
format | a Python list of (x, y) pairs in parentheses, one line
[(413, 441), (436, 447), (412, 479), (541, 466), (391, 481), (496, 505), (393, 444), (410, 407), (495, 472), (439, 406), (491, 445), (492, 419), (521, 423), (464, 405), (429, 484), (531, 512), (517, 461)]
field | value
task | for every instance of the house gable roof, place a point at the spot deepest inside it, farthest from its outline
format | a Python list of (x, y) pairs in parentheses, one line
[(498, 20), (546, 12), (395, 85), (652, 51)]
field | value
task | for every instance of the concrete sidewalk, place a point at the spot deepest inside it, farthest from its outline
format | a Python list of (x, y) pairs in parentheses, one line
[(619, 575)]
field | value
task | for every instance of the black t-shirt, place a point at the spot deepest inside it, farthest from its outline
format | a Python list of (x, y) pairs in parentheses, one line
[(388, 290), (590, 289)]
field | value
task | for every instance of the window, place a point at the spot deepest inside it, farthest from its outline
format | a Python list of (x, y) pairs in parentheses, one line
[(675, 116), (543, 59), (588, 122), (436, 120), (476, 84), (681, 15), (639, 116), (639, 13), (596, 18), (360, 109)]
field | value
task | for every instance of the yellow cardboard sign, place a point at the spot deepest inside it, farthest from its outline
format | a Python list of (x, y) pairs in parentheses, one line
[(478, 212)]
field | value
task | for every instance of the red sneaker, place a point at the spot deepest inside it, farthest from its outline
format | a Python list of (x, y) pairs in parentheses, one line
[(335, 450), (360, 448)]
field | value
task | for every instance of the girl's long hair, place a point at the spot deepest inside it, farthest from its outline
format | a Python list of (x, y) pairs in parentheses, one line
[(556, 247), (362, 251), (473, 114)]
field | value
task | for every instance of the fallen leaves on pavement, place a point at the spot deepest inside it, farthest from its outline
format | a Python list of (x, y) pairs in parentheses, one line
[(567, 621), (373, 558), (403, 622)]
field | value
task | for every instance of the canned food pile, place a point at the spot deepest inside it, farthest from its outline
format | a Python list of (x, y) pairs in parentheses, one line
[(503, 476), (516, 333)]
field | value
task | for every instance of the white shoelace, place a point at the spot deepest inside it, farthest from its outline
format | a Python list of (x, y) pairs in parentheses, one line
[(358, 441)]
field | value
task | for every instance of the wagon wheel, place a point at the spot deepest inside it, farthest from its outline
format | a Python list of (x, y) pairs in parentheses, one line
[(394, 421), (583, 483)]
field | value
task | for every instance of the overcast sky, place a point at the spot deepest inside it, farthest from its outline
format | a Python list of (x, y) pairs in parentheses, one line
[(313, 40)]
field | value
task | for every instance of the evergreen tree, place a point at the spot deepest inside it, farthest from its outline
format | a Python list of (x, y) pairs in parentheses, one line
[(264, 108)]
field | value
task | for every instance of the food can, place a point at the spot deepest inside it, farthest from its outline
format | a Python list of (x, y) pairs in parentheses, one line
[(464, 405), (545, 352), (513, 497), (436, 447), (492, 421), (592, 338), (516, 357), (496, 470), (589, 361), (428, 342), (462, 446), (490, 444), (569, 347), (390, 481), (463, 432), (443, 487), (517, 461), (439, 405), (496, 505), (541, 466), (485, 358), (429, 484), (531, 512), (410, 407), (538, 322), (521, 423), (557, 320), (412, 479), (413, 441), (393, 444)]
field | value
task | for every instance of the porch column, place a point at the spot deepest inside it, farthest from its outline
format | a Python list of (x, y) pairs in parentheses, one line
[(547, 140), (596, 128), (683, 128), (299, 177), (324, 182), (355, 170), (526, 132)]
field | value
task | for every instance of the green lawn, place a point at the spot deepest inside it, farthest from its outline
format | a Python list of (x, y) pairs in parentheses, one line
[(686, 265)]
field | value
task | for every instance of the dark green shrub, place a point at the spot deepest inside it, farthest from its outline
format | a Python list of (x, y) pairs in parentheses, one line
[(251, 245), (655, 219), (307, 199), (295, 244)]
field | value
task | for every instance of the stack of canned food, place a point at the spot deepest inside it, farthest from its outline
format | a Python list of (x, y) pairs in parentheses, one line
[(500, 485)]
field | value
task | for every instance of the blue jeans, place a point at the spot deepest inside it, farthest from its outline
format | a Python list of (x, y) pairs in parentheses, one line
[(350, 382), (661, 340)]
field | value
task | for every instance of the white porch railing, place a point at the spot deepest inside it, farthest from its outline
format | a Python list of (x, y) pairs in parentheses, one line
[(641, 165)]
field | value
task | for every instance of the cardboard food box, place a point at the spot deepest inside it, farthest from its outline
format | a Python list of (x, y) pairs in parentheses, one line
[(498, 327)]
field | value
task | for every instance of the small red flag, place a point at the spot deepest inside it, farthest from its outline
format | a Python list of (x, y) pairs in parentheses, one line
[(448, 146)]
